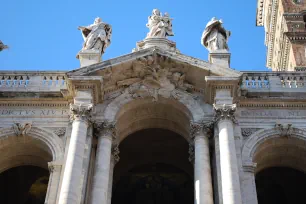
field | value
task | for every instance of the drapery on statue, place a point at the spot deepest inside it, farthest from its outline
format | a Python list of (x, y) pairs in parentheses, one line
[(160, 26), (215, 36), (97, 36)]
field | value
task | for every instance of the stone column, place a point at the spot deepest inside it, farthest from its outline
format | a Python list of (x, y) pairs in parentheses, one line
[(101, 180), (54, 179), (248, 184), (202, 170), (114, 160), (70, 190), (228, 160)]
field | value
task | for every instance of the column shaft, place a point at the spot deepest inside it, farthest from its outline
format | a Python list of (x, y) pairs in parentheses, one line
[(228, 161), (74, 163), (202, 171), (102, 169)]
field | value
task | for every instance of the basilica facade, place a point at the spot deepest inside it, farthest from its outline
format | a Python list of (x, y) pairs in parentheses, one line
[(156, 126)]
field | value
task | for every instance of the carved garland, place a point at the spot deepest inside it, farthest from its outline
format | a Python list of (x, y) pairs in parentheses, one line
[(22, 129)]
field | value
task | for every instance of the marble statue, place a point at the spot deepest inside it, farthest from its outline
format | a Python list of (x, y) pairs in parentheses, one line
[(215, 36), (160, 26), (97, 36)]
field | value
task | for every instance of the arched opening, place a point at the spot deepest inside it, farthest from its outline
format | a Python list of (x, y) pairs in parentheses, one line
[(280, 185), (153, 168), (24, 171), (280, 174), (24, 185)]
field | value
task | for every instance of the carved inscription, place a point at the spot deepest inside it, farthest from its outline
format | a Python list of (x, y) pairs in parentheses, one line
[(34, 112), (273, 113)]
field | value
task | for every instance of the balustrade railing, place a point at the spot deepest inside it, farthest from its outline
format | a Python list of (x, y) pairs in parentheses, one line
[(270, 81), (27, 81)]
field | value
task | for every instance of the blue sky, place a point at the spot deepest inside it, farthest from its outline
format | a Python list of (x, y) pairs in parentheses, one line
[(43, 35)]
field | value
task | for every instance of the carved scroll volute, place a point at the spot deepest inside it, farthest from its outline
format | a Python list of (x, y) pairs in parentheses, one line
[(22, 129), (80, 112), (225, 112)]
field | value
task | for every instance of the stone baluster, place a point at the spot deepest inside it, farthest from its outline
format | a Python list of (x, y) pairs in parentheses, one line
[(202, 170), (70, 190), (101, 180), (228, 160), (54, 179), (248, 183)]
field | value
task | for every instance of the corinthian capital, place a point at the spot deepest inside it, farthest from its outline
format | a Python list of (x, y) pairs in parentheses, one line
[(225, 112), (106, 129), (80, 111)]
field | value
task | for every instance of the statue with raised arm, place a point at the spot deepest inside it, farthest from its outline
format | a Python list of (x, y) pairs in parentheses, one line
[(215, 36), (160, 26), (97, 36)]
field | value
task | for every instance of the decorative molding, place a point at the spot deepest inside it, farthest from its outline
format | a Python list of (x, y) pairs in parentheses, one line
[(246, 132), (225, 112), (249, 167), (34, 104), (54, 167), (272, 105), (80, 112), (22, 129)]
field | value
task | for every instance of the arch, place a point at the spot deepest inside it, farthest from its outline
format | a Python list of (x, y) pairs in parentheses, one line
[(297, 138), (184, 106), (50, 145)]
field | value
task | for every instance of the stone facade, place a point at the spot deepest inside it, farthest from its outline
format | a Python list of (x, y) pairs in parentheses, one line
[(236, 123)]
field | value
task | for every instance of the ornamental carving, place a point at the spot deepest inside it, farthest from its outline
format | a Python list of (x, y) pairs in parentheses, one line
[(106, 129), (155, 72), (284, 129), (60, 131), (80, 111), (115, 153), (246, 132), (22, 129), (225, 112)]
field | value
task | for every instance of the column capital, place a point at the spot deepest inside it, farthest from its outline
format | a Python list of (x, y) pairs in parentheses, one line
[(80, 112), (225, 112), (196, 128), (106, 129)]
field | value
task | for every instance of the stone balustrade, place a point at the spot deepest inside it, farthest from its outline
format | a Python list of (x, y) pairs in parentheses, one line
[(274, 82), (32, 81)]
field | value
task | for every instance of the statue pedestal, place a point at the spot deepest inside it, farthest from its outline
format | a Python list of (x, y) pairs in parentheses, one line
[(221, 58), (89, 57), (162, 43)]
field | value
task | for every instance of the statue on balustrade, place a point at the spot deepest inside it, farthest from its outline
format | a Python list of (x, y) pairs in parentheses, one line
[(160, 26), (215, 36), (97, 36)]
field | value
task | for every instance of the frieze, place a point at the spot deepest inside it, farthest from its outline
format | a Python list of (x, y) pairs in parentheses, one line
[(34, 112), (273, 113)]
